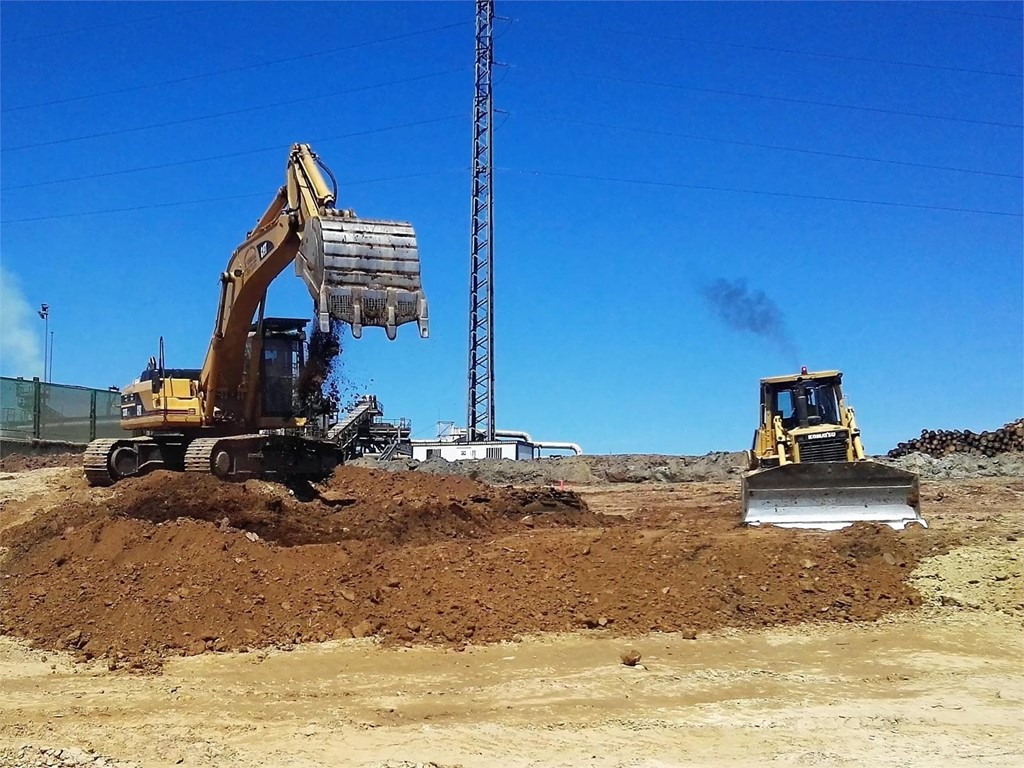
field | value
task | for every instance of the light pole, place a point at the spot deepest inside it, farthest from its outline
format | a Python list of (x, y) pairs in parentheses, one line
[(44, 312)]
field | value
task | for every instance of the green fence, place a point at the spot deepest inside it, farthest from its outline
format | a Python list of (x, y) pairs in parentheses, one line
[(30, 409)]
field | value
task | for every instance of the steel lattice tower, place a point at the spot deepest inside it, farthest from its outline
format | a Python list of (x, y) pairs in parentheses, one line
[(480, 419)]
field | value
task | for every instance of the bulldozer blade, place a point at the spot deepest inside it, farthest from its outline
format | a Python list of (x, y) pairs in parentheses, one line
[(363, 272), (831, 495)]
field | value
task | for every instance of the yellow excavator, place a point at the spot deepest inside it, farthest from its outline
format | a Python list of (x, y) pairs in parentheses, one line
[(807, 467), (240, 415)]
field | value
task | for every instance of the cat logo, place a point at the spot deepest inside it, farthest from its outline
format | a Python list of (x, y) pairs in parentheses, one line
[(264, 248)]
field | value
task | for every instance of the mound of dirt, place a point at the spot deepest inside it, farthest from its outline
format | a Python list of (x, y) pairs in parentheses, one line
[(651, 468), (173, 564), (179, 563), (22, 462)]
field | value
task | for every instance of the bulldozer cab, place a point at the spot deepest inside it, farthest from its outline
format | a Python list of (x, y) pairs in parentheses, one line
[(804, 402)]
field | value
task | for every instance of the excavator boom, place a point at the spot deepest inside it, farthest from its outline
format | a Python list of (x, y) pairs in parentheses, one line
[(364, 272)]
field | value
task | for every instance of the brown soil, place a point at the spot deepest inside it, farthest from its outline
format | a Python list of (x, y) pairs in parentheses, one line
[(18, 462), (177, 565), (937, 685)]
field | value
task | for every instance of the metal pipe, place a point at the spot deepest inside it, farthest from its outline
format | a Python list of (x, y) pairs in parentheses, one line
[(525, 436), (800, 402), (549, 445), (559, 447)]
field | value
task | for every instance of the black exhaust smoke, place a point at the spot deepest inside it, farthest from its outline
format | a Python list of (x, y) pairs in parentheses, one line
[(750, 311)]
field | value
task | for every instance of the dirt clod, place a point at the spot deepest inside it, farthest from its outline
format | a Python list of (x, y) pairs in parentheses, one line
[(630, 658)]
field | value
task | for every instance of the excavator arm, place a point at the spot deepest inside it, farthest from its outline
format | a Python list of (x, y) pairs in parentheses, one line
[(362, 272)]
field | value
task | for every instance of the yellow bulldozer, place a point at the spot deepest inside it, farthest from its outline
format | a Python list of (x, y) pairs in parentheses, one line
[(807, 467)]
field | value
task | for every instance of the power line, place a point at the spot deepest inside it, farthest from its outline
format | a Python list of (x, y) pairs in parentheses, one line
[(206, 9), (789, 100), (769, 193), (778, 147), (244, 68), (181, 203), (792, 51), (257, 108), (1018, 19), (192, 161)]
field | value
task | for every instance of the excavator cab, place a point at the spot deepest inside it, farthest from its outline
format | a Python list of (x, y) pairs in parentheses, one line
[(282, 358)]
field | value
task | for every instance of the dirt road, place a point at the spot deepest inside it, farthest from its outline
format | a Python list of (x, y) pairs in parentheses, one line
[(934, 690), (939, 684)]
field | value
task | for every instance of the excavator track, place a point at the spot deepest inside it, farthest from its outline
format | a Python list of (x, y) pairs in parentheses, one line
[(96, 462), (199, 453), (233, 457), (239, 457)]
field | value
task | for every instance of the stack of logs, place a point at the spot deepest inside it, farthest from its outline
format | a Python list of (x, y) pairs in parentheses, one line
[(943, 442)]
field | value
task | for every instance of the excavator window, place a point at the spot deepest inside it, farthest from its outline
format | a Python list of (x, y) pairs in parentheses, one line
[(281, 363)]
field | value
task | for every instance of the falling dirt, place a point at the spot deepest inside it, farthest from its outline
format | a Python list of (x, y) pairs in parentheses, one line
[(319, 386)]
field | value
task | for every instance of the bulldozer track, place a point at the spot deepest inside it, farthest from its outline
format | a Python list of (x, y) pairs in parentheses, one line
[(96, 462)]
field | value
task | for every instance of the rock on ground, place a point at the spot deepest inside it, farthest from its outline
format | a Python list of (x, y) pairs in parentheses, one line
[(30, 756)]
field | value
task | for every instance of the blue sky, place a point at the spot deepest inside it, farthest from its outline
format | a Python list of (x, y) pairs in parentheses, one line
[(624, 128)]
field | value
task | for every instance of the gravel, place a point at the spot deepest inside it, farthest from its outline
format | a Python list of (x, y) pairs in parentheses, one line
[(30, 756), (959, 466), (648, 468), (583, 470)]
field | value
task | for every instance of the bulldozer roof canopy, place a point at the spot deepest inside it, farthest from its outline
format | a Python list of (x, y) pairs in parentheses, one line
[(801, 377)]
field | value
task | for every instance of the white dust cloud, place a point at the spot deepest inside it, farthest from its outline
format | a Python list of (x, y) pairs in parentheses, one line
[(20, 331)]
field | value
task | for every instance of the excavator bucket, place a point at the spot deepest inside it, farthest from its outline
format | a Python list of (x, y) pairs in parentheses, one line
[(363, 272), (831, 495)]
